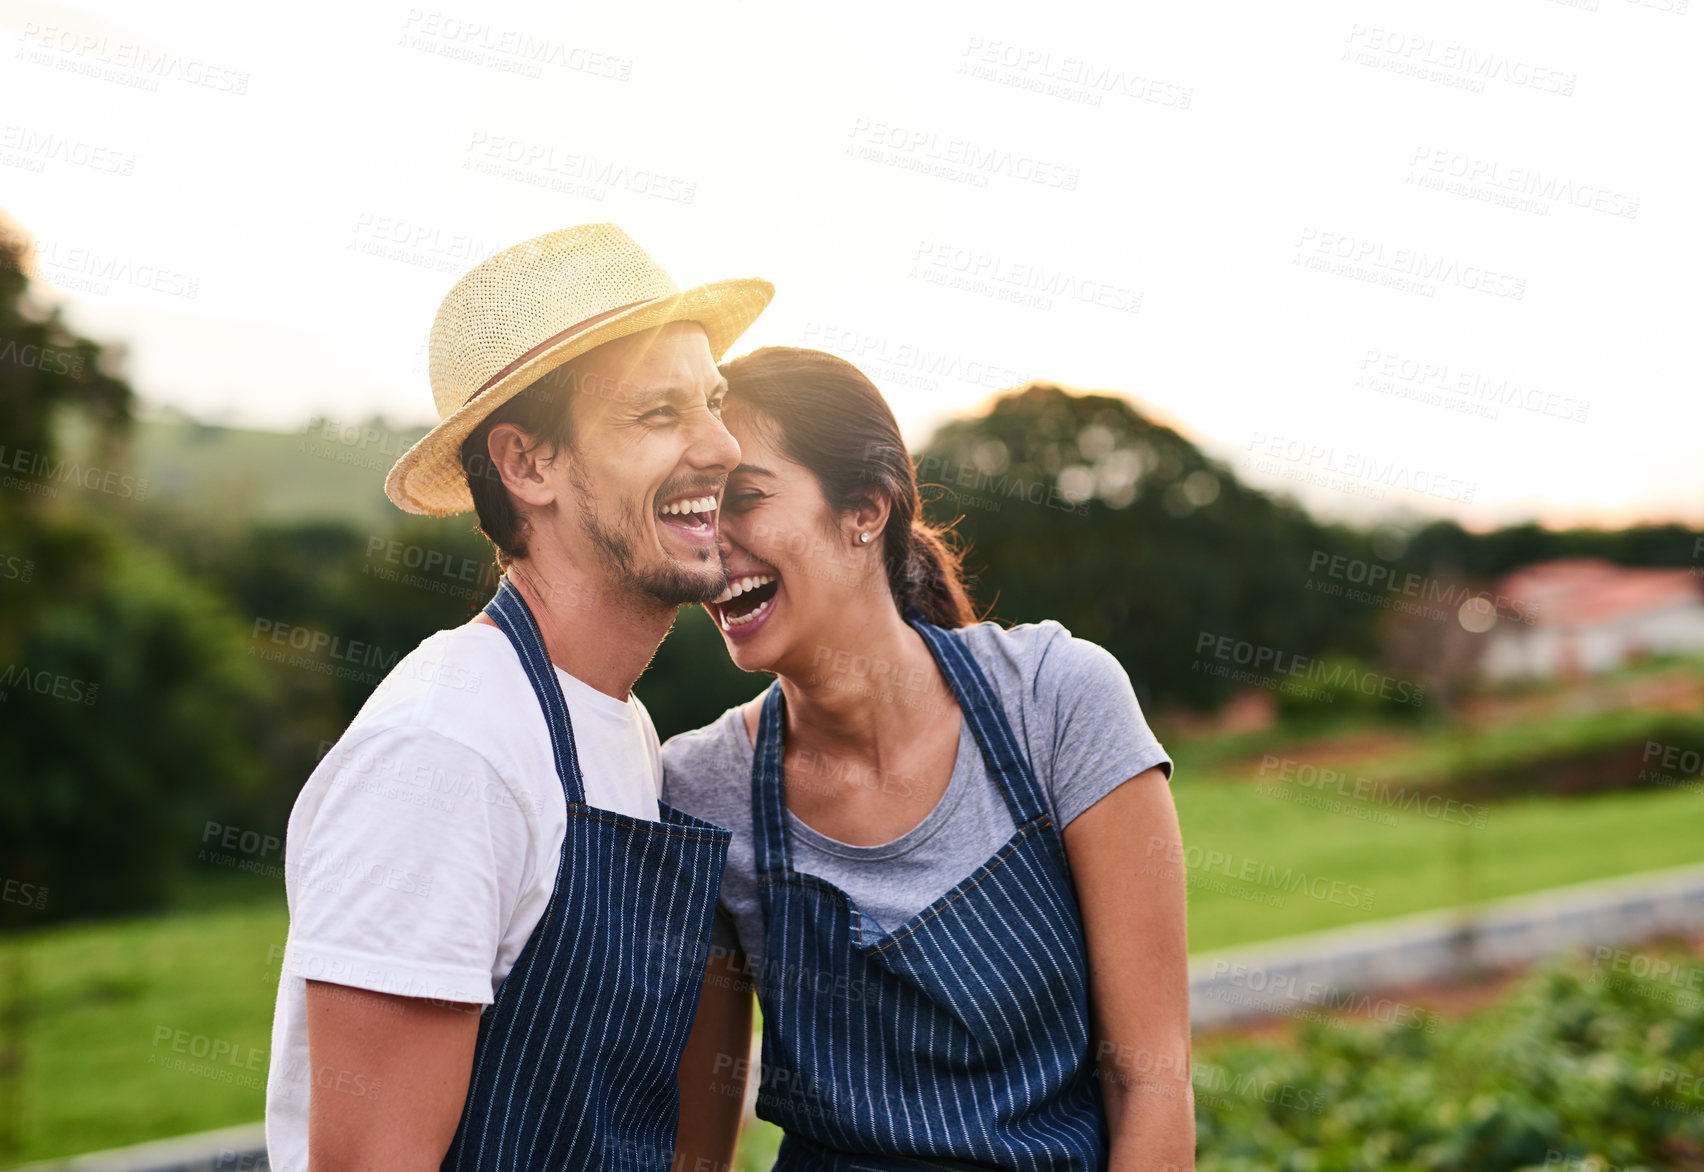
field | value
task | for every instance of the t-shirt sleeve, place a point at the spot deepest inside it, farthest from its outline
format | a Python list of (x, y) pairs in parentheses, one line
[(408, 867), (1100, 739)]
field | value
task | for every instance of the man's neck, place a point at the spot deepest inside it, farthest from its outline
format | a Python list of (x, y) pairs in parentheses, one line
[(602, 637)]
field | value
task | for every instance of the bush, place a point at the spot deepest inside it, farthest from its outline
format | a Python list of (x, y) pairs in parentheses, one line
[(1568, 1067), (130, 711)]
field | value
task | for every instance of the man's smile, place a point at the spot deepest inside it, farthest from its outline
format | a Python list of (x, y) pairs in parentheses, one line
[(692, 518)]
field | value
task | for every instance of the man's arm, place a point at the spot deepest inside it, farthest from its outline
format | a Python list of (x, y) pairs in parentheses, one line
[(713, 1070), (388, 1078), (1134, 918)]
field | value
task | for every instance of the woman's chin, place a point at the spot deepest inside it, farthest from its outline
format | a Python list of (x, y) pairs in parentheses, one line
[(750, 654)]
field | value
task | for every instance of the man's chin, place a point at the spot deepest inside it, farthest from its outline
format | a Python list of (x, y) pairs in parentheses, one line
[(680, 583)]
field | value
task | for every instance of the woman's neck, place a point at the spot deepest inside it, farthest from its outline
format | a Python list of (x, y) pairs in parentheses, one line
[(870, 679)]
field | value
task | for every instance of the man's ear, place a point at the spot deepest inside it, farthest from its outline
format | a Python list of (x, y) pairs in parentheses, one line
[(520, 461), (870, 516)]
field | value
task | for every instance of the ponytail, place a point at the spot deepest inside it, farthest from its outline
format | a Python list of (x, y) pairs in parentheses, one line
[(931, 578)]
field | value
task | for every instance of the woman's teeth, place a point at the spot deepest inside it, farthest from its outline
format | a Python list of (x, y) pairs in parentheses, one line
[(729, 622), (738, 586)]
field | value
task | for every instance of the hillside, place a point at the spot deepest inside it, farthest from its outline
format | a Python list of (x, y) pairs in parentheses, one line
[(326, 471)]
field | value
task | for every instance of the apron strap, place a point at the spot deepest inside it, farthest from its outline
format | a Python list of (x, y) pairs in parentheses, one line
[(511, 613), (1006, 762), (768, 798)]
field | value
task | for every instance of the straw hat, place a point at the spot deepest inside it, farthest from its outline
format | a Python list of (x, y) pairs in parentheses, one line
[(524, 312), (17, 246)]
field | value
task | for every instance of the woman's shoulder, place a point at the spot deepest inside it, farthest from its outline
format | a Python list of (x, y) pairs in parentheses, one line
[(713, 739), (699, 765), (1041, 655)]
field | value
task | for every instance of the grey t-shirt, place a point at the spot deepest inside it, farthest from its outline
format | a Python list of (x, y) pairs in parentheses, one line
[(1073, 712)]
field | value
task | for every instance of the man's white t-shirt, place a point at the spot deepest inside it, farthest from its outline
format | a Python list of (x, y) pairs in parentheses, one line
[(422, 851)]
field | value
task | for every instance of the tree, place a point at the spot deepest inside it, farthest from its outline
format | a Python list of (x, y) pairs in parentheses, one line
[(1079, 508), (127, 705)]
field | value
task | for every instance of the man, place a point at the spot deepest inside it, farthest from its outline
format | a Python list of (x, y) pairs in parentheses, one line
[(487, 832)]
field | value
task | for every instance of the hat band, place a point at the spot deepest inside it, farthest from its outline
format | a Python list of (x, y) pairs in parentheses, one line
[(552, 341)]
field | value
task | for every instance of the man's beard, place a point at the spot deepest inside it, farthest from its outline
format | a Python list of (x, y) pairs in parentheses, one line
[(616, 543)]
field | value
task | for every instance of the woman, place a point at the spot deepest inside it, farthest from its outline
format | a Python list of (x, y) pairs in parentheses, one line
[(949, 878)]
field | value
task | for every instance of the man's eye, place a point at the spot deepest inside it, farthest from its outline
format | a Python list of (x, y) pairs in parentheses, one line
[(659, 413), (716, 406)]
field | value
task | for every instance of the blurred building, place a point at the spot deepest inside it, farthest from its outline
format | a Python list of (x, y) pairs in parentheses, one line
[(1586, 615)]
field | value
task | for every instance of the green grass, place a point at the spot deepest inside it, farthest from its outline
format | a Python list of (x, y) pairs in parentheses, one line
[(1416, 865), (759, 1143), (97, 997), (99, 993)]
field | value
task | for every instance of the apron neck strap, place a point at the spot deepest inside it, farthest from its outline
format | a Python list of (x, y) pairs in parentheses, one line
[(1004, 759), (511, 613), (1001, 755), (769, 796)]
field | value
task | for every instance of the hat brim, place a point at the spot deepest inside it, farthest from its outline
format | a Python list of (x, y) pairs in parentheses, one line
[(428, 479)]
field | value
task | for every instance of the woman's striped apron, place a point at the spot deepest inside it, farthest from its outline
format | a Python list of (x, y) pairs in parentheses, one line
[(959, 1040)]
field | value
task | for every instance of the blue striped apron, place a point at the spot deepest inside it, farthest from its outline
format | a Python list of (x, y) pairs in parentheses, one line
[(959, 1040), (576, 1062)]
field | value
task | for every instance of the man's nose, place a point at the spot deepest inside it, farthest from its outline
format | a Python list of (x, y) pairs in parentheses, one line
[(714, 448)]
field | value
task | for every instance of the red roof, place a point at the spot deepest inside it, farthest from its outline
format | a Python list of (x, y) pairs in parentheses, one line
[(1584, 592)]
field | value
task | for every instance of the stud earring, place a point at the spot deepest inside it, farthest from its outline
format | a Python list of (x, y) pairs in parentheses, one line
[(863, 539)]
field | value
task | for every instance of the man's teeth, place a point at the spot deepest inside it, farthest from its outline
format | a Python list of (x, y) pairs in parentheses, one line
[(704, 504), (739, 586)]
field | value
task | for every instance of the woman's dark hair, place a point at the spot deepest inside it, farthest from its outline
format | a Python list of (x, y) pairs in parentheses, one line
[(832, 420), (543, 414)]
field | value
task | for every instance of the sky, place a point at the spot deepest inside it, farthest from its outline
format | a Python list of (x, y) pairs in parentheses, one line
[(1398, 259)]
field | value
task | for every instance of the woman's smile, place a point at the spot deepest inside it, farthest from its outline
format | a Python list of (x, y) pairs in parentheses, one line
[(742, 609)]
